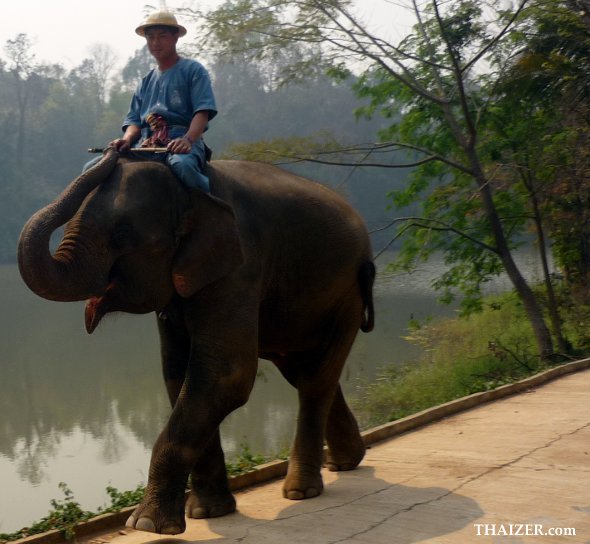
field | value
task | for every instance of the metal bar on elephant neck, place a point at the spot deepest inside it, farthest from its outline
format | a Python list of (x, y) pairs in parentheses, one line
[(132, 150)]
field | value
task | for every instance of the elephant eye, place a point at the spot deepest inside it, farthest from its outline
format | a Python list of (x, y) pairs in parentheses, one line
[(122, 236)]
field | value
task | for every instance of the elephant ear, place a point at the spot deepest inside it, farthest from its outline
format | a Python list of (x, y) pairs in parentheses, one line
[(210, 246)]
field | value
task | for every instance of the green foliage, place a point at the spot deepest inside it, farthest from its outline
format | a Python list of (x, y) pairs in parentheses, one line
[(122, 499), (541, 128), (65, 515), (246, 461), (461, 356)]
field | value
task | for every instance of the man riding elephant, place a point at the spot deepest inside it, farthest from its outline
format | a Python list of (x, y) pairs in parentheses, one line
[(171, 106), (260, 264)]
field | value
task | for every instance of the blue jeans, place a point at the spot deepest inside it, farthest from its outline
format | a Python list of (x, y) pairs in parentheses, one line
[(188, 167)]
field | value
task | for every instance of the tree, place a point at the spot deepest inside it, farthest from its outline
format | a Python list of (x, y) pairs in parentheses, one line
[(22, 68), (551, 75), (541, 130), (436, 88), (103, 61), (137, 66)]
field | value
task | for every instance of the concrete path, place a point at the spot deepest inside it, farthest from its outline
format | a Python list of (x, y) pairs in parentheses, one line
[(519, 465)]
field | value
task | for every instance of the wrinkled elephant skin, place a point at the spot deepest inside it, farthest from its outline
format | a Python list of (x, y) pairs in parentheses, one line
[(270, 265)]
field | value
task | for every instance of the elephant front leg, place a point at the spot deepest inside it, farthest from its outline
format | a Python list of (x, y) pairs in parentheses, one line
[(190, 442), (210, 496), (218, 379), (162, 508)]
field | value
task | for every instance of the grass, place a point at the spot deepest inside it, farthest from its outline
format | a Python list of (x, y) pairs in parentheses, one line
[(461, 356), (247, 461)]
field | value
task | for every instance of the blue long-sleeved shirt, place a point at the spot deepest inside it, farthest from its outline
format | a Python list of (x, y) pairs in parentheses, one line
[(176, 94)]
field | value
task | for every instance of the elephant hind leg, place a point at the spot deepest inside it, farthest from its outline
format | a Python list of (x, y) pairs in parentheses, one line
[(346, 448), (321, 407)]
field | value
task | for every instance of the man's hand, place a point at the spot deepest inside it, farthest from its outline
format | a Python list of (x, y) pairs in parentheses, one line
[(180, 145), (132, 134), (121, 145)]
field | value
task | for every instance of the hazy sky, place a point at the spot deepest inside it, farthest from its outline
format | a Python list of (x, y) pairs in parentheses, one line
[(63, 30)]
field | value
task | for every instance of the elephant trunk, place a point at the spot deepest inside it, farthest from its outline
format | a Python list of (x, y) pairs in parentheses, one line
[(61, 277)]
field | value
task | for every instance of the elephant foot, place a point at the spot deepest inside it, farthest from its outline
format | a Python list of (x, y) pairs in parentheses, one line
[(201, 507), (345, 460), (346, 447), (147, 517), (339, 467), (298, 487)]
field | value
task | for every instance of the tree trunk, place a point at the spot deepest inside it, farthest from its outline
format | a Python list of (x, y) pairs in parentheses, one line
[(532, 308), (554, 316), (22, 99)]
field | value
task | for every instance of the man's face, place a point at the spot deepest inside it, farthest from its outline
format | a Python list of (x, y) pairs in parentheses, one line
[(161, 42)]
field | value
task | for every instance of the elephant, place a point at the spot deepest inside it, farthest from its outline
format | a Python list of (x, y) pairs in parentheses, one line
[(268, 265)]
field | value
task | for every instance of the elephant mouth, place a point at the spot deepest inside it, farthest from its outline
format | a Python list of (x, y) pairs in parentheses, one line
[(111, 300), (121, 296), (97, 308), (93, 313)]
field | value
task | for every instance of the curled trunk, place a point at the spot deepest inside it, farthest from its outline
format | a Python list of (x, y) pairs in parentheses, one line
[(61, 277)]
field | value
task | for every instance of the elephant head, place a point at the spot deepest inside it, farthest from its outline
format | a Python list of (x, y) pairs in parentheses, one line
[(133, 239)]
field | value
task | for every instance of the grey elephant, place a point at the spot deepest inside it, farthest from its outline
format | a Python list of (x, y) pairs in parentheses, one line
[(269, 265)]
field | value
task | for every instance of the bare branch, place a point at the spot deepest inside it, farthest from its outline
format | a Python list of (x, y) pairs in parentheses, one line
[(497, 37), (385, 147), (407, 78), (363, 164), (432, 224), (391, 242)]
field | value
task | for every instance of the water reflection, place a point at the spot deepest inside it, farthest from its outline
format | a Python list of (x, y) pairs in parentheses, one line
[(87, 409)]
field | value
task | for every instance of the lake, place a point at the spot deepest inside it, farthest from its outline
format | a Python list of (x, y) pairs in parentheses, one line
[(85, 409)]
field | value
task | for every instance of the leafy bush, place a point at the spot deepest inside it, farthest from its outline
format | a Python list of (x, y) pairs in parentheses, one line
[(123, 499), (461, 356), (247, 461), (65, 515)]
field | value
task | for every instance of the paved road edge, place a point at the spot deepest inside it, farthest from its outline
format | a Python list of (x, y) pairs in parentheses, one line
[(277, 469)]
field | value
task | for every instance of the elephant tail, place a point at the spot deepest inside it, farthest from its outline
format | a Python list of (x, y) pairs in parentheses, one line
[(366, 278)]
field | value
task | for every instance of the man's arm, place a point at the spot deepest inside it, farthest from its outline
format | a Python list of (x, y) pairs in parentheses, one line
[(132, 134), (194, 132)]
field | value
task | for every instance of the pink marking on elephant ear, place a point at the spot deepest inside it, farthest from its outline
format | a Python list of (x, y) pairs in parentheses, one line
[(181, 285)]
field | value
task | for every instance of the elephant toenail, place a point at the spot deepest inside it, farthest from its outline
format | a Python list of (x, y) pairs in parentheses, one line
[(145, 524), (171, 529), (198, 512), (295, 495), (311, 492), (130, 522)]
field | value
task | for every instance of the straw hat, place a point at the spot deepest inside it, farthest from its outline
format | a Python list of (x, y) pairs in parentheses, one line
[(160, 18)]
